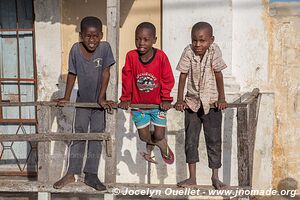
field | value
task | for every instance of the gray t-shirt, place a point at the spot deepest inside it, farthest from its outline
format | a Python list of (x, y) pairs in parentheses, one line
[(89, 72)]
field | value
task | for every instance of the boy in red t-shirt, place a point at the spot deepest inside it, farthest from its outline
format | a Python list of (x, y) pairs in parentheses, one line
[(147, 78)]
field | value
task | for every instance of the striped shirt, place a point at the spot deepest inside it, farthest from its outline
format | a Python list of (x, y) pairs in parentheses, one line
[(201, 85)]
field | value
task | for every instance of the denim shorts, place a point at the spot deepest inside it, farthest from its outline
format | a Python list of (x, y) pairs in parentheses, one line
[(142, 118)]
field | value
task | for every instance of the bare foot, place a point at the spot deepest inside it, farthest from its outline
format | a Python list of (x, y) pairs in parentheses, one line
[(148, 157), (187, 183), (68, 178), (217, 184)]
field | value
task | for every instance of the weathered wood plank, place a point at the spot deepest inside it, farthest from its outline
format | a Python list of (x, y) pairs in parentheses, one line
[(47, 137), (243, 147), (43, 126), (36, 186), (247, 121), (245, 99), (235, 104), (113, 28), (253, 95), (80, 187), (109, 148), (242, 98)]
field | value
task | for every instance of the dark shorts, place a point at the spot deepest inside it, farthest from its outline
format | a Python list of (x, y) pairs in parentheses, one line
[(212, 123)]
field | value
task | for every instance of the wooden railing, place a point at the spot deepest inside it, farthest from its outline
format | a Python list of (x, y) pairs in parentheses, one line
[(247, 114)]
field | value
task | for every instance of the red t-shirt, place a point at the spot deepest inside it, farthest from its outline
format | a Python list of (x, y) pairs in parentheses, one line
[(147, 83)]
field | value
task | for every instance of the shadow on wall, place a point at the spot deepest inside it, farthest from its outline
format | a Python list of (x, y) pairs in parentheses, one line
[(74, 10), (135, 163), (137, 166), (62, 121)]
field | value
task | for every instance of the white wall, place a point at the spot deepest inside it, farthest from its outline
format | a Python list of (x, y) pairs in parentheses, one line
[(250, 44), (48, 46), (240, 31)]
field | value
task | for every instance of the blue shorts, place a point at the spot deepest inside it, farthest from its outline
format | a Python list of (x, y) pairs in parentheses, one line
[(142, 118)]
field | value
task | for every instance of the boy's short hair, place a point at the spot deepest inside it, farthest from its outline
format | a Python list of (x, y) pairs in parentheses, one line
[(90, 21), (203, 25), (147, 25)]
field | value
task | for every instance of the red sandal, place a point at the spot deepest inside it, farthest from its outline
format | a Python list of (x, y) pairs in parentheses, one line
[(169, 158)]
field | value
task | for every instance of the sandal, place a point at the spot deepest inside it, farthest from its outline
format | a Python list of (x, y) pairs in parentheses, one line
[(169, 158), (148, 157)]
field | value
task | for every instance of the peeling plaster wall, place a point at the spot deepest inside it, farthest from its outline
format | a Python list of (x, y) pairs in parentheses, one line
[(285, 79), (48, 46)]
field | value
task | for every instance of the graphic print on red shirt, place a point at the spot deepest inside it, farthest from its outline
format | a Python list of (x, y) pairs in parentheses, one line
[(146, 82)]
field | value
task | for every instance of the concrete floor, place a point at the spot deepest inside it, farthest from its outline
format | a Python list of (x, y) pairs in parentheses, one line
[(33, 196)]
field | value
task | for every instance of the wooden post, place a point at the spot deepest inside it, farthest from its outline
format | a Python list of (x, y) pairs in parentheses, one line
[(253, 115), (246, 131), (243, 146), (113, 18), (43, 126)]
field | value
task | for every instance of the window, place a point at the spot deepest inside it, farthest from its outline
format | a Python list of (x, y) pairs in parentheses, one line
[(17, 81)]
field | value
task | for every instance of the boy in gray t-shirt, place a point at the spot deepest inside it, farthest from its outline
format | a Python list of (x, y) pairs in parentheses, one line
[(89, 61)]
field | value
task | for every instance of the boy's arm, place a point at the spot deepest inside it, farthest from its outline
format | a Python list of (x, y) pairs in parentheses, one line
[(221, 104), (167, 84), (126, 84), (69, 87), (167, 81), (183, 66), (180, 105), (102, 96), (108, 61), (218, 64), (181, 84)]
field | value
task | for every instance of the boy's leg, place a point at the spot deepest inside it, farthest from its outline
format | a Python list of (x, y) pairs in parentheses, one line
[(192, 179), (212, 123), (141, 119), (193, 126), (97, 125), (159, 120), (77, 148), (145, 136), (161, 142)]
